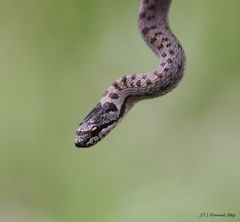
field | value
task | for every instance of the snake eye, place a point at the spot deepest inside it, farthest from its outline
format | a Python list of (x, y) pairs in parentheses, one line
[(94, 130)]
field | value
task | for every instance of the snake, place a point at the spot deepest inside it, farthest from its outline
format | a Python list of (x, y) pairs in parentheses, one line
[(124, 93)]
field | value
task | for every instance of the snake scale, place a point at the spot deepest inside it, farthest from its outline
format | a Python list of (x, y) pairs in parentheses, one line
[(125, 92)]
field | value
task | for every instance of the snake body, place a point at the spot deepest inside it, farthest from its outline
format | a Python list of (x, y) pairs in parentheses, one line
[(125, 92)]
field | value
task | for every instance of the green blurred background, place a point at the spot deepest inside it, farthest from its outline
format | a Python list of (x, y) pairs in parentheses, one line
[(171, 159)]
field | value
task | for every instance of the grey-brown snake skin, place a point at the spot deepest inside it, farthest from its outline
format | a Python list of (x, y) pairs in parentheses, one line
[(125, 92)]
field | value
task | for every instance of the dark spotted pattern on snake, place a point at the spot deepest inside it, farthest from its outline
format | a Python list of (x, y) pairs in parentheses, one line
[(125, 92)]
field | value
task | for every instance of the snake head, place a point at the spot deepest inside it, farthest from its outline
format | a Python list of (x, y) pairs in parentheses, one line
[(99, 122)]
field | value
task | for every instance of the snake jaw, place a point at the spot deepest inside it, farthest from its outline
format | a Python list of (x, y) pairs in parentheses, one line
[(81, 143), (85, 139)]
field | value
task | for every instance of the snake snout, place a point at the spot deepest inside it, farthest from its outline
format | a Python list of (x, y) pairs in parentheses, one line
[(82, 142), (79, 142)]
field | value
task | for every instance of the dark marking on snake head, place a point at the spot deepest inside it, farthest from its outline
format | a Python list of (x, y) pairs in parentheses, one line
[(146, 1), (170, 61), (110, 107), (113, 95)]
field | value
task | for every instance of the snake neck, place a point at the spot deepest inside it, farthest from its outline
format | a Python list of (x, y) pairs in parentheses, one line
[(153, 26)]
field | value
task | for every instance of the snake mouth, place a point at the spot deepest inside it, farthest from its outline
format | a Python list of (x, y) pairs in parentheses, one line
[(81, 143)]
